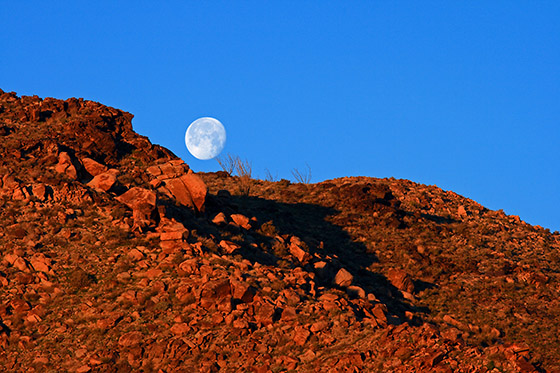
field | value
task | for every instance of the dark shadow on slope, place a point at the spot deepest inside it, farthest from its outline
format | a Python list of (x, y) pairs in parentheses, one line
[(439, 219), (324, 240)]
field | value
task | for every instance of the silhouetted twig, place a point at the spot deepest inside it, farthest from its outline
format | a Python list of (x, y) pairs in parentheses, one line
[(302, 177)]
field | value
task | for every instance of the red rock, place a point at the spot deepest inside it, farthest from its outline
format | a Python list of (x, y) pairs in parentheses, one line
[(20, 264), (21, 193), (291, 296), (104, 181), (435, 359), (153, 273), (318, 326), (525, 366), (174, 235), (356, 291), (131, 339), (180, 328), (220, 219), (321, 269), (401, 280), (83, 369), (243, 291), (451, 321), (10, 258), (288, 314), (240, 323), (19, 305), (41, 360), (296, 248), (308, 356), (24, 278), (214, 292), (135, 254), (40, 263), (329, 297), (154, 170), (109, 322), (188, 190), (143, 204), (137, 197), (92, 167), (229, 247), (300, 335), (9, 182), (177, 189), (379, 312), (289, 362), (264, 313), (65, 166), (197, 189), (343, 278), (240, 220), (189, 266), (39, 191)]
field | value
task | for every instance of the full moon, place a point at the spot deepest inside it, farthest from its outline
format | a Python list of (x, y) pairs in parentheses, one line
[(205, 138)]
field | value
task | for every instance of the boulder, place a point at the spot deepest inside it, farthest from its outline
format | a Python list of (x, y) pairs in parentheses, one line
[(104, 181), (264, 313), (178, 190), (401, 280), (197, 189), (131, 339), (240, 220), (92, 167), (216, 294), (65, 166), (301, 334), (243, 291), (343, 278), (296, 248), (229, 247), (175, 179), (143, 204), (220, 219)]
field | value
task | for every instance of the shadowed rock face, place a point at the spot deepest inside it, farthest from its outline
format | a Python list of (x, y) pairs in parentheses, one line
[(116, 256)]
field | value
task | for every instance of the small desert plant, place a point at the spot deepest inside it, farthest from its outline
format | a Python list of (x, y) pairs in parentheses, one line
[(268, 175), (303, 177), (242, 168), (227, 163)]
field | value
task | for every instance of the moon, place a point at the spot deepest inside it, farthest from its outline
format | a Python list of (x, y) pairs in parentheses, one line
[(205, 138)]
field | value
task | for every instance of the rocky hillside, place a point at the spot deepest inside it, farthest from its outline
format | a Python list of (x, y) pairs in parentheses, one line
[(115, 256)]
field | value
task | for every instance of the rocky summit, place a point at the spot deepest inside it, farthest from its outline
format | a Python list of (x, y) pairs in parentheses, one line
[(115, 256)]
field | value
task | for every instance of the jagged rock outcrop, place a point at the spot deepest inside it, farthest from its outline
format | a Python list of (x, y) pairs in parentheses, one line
[(176, 180)]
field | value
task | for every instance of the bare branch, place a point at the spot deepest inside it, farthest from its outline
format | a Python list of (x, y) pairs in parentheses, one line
[(302, 177), (268, 175), (227, 163)]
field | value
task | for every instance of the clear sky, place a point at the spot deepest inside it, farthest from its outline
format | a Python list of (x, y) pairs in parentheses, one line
[(461, 94)]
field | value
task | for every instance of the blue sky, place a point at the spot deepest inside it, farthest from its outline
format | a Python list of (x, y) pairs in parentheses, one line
[(464, 95)]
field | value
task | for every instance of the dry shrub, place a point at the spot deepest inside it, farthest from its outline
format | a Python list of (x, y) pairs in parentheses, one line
[(268, 175), (303, 177), (227, 163), (242, 168)]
